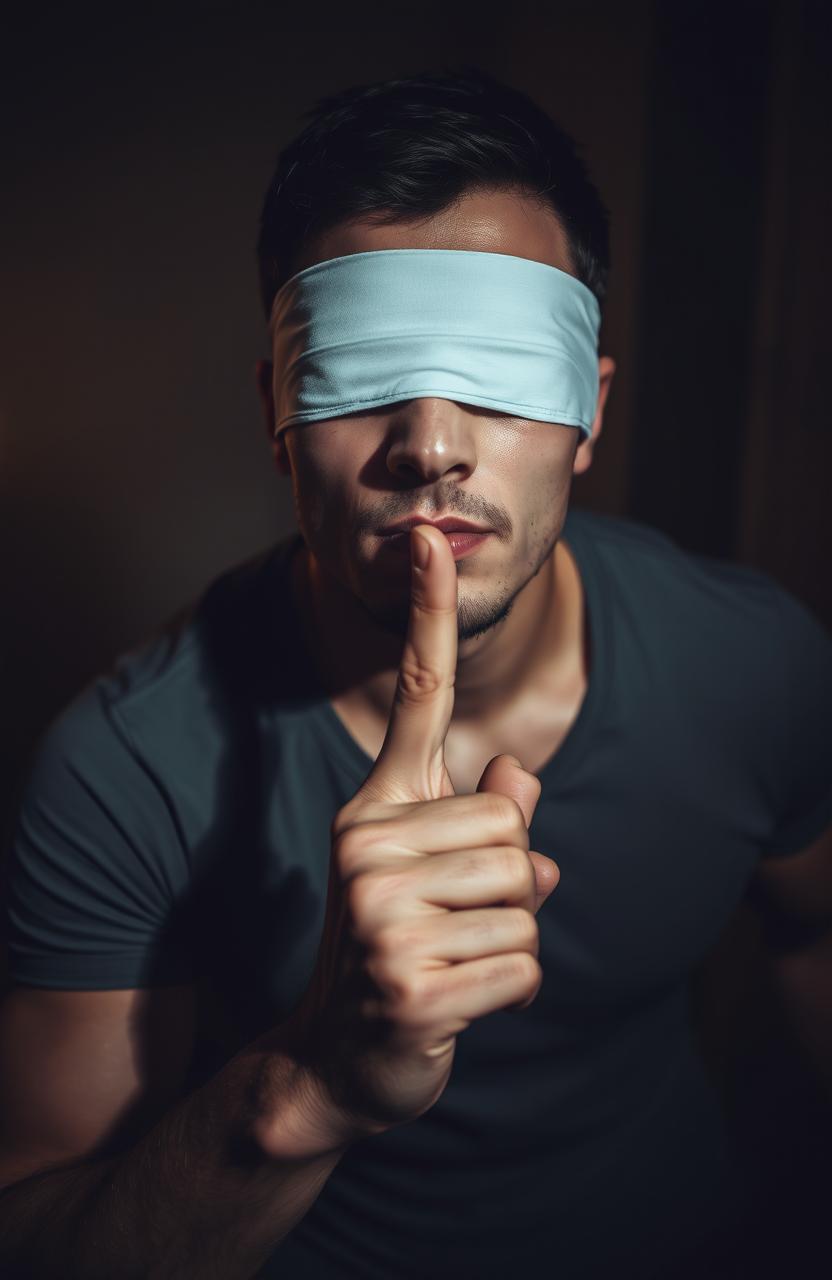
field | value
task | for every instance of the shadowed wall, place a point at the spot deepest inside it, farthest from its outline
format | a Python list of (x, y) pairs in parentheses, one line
[(135, 464)]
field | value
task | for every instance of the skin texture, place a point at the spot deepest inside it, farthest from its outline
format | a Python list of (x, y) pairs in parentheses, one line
[(522, 644)]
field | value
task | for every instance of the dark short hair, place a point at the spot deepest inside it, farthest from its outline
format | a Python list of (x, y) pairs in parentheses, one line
[(405, 148)]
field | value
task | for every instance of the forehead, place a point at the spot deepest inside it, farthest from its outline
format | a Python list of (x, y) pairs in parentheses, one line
[(484, 221)]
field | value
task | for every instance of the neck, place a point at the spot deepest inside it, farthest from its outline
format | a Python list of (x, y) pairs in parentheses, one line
[(541, 641)]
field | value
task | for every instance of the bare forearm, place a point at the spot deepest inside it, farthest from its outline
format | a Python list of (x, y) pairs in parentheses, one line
[(199, 1197)]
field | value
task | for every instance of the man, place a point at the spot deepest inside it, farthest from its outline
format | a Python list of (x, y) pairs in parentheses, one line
[(311, 977)]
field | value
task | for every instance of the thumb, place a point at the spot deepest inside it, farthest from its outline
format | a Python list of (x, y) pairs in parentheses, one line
[(506, 774)]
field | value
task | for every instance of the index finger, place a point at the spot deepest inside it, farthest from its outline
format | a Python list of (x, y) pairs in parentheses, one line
[(420, 716)]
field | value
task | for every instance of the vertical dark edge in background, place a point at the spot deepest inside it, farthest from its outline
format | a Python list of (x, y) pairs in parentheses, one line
[(786, 516), (710, 72)]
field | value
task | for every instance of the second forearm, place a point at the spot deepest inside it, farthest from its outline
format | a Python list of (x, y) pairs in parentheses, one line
[(197, 1197)]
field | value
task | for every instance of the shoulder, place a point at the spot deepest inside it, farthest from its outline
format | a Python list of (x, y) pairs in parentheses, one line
[(616, 534), (163, 699), (692, 595)]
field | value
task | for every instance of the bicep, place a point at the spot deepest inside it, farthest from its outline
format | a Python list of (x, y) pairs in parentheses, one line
[(83, 1073)]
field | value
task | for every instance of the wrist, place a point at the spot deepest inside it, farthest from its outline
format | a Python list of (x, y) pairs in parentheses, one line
[(294, 1114)]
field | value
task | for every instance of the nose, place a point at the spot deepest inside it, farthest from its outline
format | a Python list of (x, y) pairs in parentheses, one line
[(431, 438)]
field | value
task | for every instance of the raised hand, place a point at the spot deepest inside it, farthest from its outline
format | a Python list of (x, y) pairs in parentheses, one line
[(431, 904)]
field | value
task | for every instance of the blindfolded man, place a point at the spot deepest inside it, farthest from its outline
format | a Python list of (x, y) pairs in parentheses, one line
[(352, 917)]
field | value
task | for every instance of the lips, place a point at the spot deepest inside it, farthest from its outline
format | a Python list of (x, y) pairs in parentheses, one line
[(462, 543), (448, 524)]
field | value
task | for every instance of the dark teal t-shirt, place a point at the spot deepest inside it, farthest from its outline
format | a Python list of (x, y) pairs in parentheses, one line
[(175, 827)]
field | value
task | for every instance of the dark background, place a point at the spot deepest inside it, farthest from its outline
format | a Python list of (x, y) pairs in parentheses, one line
[(135, 466)]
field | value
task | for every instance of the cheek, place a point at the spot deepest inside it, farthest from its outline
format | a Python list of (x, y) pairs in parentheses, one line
[(533, 458), (321, 489), (314, 516), (545, 490), (540, 504), (309, 493)]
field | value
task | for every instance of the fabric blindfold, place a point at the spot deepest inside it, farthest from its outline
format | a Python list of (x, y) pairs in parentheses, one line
[(488, 329)]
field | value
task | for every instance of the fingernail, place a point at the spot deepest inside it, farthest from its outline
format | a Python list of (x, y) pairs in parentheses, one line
[(514, 760), (421, 550)]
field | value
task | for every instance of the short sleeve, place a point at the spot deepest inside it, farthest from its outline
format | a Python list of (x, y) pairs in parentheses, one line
[(97, 878), (800, 684)]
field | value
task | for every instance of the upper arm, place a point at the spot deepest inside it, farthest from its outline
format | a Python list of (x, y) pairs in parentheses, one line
[(83, 1073), (99, 874), (97, 1028)]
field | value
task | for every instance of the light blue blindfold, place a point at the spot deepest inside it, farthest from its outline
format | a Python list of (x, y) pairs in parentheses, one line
[(488, 329)]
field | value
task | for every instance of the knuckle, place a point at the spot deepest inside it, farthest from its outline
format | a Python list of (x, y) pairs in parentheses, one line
[(418, 682), (496, 974), (501, 809), (507, 817), (524, 928), (360, 841), (393, 940), (526, 970), (518, 829), (348, 847), (519, 869), (472, 865), (368, 895), (408, 995), (362, 895), (379, 969), (520, 969)]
